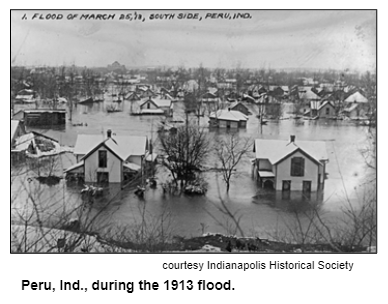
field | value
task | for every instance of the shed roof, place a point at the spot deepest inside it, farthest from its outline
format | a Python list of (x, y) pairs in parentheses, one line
[(277, 150), (75, 166)]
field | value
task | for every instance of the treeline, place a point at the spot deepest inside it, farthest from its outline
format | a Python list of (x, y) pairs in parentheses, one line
[(71, 80)]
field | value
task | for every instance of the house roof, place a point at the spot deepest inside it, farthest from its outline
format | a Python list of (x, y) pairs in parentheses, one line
[(158, 102), (276, 150), (132, 167), (310, 95), (285, 88), (209, 95), (229, 115), (356, 97), (351, 107), (235, 104), (14, 127), (75, 166), (325, 103), (122, 146), (23, 142)]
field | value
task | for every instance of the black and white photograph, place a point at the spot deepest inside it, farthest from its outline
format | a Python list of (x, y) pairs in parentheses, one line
[(193, 131)]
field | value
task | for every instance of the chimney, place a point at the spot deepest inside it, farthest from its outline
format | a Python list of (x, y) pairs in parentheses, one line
[(109, 133), (292, 138)]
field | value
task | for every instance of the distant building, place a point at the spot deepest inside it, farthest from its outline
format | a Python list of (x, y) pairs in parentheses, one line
[(356, 97), (25, 96), (239, 106), (209, 97), (324, 109), (228, 119), (355, 110), (42, 117), (290, 165), (116, 67), (156, 106)]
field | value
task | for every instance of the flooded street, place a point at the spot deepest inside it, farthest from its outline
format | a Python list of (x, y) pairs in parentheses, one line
[(262, 211)]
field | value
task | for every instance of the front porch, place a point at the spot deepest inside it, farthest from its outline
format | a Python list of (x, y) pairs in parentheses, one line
[(266, 179)]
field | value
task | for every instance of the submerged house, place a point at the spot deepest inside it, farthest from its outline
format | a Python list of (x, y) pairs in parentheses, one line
[(26, 96), (110, 159), (290, 165), (357, 106), (239, 106), (42, 117), (228, 119), (156, 106), (324, 109)]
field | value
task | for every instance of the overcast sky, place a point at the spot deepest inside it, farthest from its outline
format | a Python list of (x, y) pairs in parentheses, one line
[(276, 39)]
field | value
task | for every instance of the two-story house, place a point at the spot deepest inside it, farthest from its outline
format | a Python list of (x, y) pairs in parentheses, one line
[(290, 165), (109, 159)]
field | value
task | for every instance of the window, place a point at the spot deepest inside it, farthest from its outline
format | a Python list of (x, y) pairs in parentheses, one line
[(102, 159), (327, 111), (148, 105), (297, 166)]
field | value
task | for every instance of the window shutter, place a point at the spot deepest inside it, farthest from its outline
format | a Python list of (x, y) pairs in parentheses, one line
[(301, 166)]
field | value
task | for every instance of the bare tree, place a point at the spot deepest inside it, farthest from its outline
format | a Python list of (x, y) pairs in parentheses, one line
[(229, 151), (185, 149)]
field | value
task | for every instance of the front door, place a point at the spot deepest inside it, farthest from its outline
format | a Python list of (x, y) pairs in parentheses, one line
[(102, 177), (306, 186), (286, 185)]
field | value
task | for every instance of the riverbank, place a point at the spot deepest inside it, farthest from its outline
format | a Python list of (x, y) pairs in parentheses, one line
[(48, 240)]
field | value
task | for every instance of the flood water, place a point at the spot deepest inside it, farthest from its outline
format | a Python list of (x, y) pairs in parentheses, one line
[(261, 211)]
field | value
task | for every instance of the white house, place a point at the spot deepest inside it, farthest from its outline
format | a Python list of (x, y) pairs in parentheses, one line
[(290, 165), (108, 159), (156, 106), (228, 119), (325, 109), (356, 97)]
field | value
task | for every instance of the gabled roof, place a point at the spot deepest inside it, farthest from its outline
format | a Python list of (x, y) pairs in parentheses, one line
[(325, 103), (309, 95), (356, 97), (229, 115), (122, 146), (232, 106), (277, 150), (158, 102)]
